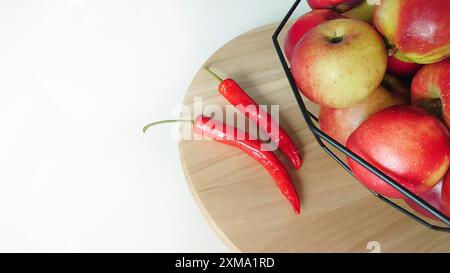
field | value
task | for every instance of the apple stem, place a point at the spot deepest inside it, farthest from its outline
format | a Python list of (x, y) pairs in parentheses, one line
[(148, 126), (336, 40), (213, 75)]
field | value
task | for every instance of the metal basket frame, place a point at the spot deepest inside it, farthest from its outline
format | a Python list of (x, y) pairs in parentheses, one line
[(311, 121)]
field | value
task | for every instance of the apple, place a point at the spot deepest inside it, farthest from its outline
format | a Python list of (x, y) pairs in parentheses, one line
[(304, 24), (430, 89), (339, 5), (339, 123), (407, 144), (446, 194), (401, 68), (339, 63), (418, 29), (432, 197), (364, 11)]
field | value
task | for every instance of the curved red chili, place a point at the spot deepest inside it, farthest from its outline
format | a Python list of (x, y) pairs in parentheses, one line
[(231, 91), (226, 134)]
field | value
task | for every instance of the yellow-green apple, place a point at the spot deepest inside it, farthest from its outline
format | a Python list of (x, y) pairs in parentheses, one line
[(339, 123), (430, 89), (406, 143), (401, 68), (339, 63), (418, 29), (434, 198), (338, 5), (364, 11), (446, 194), (304, 24)]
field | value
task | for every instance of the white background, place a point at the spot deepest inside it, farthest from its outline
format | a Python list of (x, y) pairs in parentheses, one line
[(78, 80)]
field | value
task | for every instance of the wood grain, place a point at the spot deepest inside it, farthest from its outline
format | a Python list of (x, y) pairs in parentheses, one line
[(242, 203)]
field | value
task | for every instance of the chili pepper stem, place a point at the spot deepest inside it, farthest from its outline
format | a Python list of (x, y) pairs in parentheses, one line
[(213, 75), (168, 121)]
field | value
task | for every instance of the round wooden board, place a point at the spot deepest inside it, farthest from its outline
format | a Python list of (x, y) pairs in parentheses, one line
[(241, 201)]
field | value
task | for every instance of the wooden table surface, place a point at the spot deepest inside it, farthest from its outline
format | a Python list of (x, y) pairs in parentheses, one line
[(241, 201)]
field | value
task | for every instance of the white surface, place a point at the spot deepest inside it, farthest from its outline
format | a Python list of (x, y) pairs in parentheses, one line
[(78, 80)]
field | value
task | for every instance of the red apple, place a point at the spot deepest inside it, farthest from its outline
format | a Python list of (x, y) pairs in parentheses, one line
[(407, 144), (339, 123), (419, 30), (446, 194), (401, 68), (430, 89), (432, 197), (304, 24), (339, 5), (339, 63)]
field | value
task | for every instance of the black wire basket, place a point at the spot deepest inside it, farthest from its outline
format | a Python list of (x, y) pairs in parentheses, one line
[(322, 138)]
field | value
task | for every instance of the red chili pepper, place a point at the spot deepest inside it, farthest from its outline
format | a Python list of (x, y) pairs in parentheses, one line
[(227, 135), (231, 90)]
